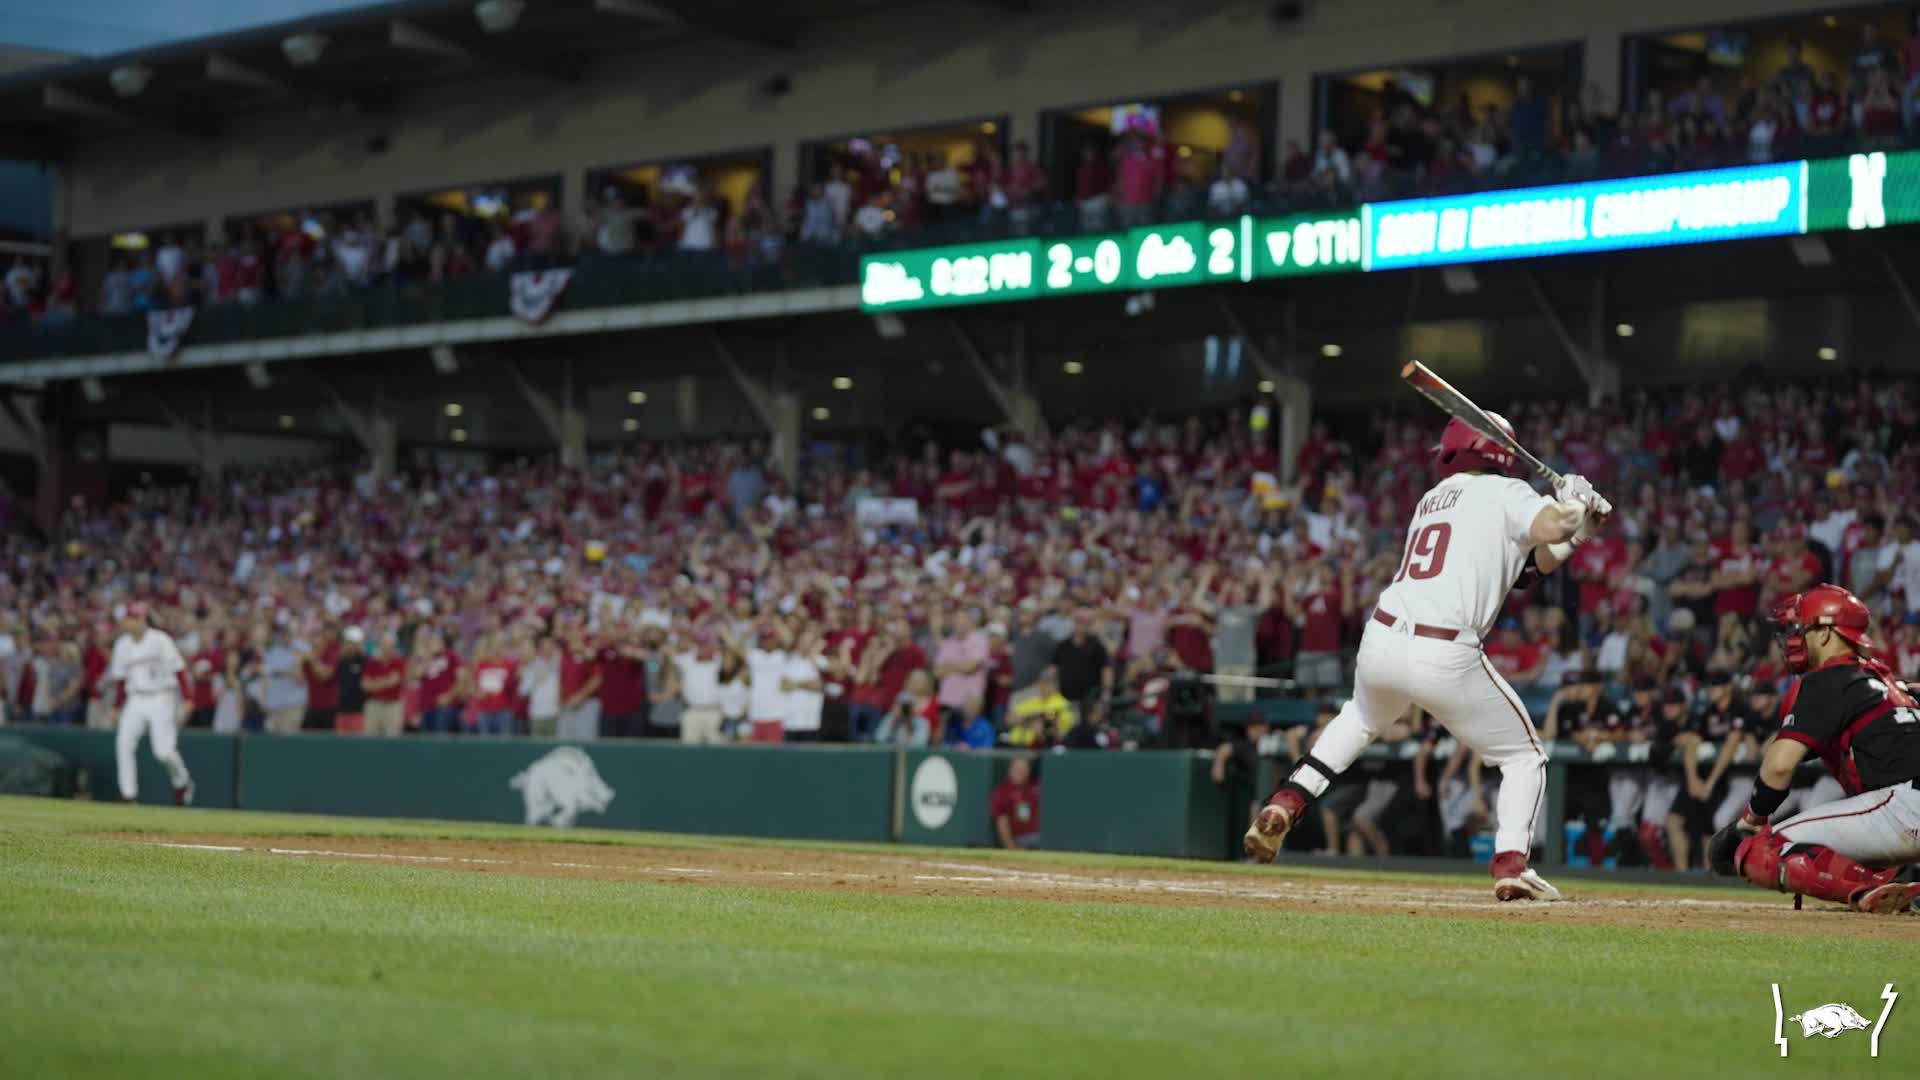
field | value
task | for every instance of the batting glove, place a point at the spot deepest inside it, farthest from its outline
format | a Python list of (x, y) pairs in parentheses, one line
[(1573, 487)]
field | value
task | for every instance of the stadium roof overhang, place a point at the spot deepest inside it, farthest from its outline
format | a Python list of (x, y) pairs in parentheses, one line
[(367, 59)]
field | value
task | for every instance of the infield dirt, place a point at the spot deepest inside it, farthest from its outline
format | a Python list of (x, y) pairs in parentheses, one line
[(962, 874)]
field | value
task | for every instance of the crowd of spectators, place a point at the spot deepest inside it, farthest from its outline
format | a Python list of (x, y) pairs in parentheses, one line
[(1712, 120), (879, 194), (1060, 591)]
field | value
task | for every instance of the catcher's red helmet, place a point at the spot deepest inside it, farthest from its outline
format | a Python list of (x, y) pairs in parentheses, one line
[(1823, 607), (1462, 448)]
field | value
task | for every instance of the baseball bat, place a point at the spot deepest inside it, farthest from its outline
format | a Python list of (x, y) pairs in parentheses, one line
[(1461, 407)]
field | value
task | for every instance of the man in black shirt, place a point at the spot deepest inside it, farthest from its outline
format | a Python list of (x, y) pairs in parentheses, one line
[(1704, 748), (1850, 709), (1082, 662), (1239, 769)]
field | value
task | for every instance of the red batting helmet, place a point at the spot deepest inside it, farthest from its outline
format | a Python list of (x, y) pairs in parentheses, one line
[(1462, 448), (1823, 607)]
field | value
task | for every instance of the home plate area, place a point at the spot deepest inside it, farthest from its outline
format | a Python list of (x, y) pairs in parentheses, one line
[(929, 874)]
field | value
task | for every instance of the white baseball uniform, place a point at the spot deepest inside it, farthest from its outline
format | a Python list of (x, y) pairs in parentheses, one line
[(149, 666), (1470, 538)]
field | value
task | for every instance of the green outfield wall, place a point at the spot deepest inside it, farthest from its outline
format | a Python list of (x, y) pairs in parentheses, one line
[(1141, 803)]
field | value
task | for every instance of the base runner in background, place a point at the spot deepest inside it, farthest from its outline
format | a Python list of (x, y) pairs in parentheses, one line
[(1848, 707), (1474, 536), (149, 664)]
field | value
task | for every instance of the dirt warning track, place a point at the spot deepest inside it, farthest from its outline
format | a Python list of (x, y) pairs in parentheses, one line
[(960, 874)]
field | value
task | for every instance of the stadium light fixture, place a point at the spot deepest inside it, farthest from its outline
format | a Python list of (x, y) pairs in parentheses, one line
[(1828, 353), (459, 434), (1073, 367), (1331, 351), (129, 80), (285, 421), (629, 424), (841, 382), (498, 16), (1624, 329), (1266, 386), (821, 412), (636, 397), (304, 49), (454, 409)]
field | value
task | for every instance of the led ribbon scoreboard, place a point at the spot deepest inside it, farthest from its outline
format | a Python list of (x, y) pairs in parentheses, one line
[(1864, 191)]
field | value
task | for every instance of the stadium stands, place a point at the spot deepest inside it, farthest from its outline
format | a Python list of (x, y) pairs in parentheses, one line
[(1163, 581), (1106, 563), (318, 270)]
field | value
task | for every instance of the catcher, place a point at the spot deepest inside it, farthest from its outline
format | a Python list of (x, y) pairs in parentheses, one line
[(1849, 708)]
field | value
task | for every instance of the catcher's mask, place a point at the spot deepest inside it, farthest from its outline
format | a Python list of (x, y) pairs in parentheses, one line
[(1823, 607)]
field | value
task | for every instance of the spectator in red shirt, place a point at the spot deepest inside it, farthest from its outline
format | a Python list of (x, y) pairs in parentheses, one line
[(437, 671), (1015, 807), (1319, 603), (1092, 186), (956, 484), (1190, 636), (93, 662), (1795, 568), (1026, 185), (1736, 577), (204, 671), (493, 687), (383, 680), (1594, 564), (579, 687), (623, 687), (1514, 657), (890, 656), (319, 664), (1139, 181)]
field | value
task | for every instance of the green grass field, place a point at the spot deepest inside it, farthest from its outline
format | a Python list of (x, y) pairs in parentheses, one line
[(125, 959)]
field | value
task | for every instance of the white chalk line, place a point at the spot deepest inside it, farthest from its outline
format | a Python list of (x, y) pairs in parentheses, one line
[(1371, 895)]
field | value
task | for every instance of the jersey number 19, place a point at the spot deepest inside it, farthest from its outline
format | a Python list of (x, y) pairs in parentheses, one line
[(1426, 552)]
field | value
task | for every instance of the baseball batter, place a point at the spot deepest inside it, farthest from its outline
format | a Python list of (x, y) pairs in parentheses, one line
[(1848, 707), (1472, 537), (147, 662)]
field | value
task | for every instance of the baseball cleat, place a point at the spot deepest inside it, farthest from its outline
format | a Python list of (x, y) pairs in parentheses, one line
[(183, 796), (1513, 881), (1268, 830), (1528, 886), (1893, 898)]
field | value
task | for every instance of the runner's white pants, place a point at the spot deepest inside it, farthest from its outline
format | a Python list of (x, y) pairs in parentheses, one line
[(1878, 826), (1455, 682), (152, 715)]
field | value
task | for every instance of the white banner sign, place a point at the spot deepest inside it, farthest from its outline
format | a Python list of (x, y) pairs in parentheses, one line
[(166, 329), (536, 291)]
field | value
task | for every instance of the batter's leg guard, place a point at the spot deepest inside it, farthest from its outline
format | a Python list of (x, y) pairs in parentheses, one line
[(1270, 825), (1819, 872)]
